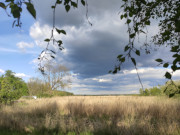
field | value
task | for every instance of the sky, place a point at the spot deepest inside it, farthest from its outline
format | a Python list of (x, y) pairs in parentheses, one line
[(90, 51)]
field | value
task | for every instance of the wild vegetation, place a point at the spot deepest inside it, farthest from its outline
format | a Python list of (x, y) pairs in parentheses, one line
[(170, 89), (12, 87), (40, 88), (92, 115)]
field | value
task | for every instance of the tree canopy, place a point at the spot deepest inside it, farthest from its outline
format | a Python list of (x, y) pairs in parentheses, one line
[(11, 87)]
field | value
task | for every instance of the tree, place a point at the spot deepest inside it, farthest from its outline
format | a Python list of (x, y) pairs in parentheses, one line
[(11, 87), (57, 77), (36, 86), (155, 91)]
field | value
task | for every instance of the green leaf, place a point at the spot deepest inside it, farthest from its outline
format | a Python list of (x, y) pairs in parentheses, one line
[(58, 2), (31, 9), (174, 48), (174, 67), (61, 31), (122, 59), (128, 21), (138, 52), (115, 71), (53, 57), (130, 14), (59, 42), (67, 7), (15, 10), (122, 17), (134, 61), (175, 55), (53, 51), (159, 60), (47, 40), (132, 35), (125, 15), (165, 65), (83, 2), (74, 4), (2, 5), (126, 48), (66, 2), (119, 56), (52, 6), (168, 75), (147, 22)]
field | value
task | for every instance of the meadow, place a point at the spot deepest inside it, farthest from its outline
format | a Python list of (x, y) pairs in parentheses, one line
[(92, 115)]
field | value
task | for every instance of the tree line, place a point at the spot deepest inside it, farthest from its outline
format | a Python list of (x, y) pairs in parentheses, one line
[(169, 89), (51, 84)]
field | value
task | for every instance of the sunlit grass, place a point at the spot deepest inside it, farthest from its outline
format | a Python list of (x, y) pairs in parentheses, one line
[(93, 115)]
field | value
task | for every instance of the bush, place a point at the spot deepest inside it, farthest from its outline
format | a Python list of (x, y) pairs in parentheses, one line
[(171, 88), (11, 87)]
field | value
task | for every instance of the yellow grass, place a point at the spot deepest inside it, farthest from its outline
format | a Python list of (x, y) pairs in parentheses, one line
[(126, 115)]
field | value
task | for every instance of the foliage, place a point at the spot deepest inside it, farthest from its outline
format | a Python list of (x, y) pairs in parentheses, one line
[(55, 93), (139, 14), (15, 7), (41, 88), (11, 87), (171, 88), (155, 91), (36, 86)]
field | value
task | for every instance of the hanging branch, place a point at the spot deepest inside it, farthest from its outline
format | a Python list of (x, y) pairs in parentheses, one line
[(47, 52)]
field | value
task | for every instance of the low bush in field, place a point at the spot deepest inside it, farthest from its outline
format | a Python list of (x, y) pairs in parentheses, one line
[(55, 93), (92, 115), (171, 88)]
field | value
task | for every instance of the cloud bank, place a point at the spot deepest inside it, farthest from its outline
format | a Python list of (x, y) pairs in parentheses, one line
[(91, 51)]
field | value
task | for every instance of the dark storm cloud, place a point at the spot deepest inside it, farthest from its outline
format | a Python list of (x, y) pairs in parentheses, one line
[(75, 17), (45, 14), (93, 52), (97, 57)]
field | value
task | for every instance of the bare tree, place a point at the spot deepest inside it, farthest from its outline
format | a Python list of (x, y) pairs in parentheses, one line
[(57, 76)]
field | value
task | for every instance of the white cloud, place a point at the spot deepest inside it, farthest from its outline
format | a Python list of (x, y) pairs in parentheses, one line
[(22, 45), (102, 80), (125, 82), (156, 73), (21, 75), (2, 71)]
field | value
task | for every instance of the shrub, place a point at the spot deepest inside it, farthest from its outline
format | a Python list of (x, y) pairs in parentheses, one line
[(11, 87)]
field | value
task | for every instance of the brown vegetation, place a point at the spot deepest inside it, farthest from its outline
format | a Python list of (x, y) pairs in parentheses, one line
[(96, 114)]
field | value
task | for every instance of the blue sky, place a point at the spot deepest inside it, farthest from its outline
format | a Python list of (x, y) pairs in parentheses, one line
[(90, 51)]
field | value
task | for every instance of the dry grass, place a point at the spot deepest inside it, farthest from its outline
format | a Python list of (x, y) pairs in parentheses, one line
[(126, 115)]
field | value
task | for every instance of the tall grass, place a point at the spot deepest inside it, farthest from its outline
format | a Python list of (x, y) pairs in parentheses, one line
[(98, 115)]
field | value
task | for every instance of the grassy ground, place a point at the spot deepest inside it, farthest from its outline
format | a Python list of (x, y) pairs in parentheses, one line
[(92, 115)]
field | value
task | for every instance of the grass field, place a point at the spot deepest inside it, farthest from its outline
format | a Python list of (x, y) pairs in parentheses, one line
[(92, 115)]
